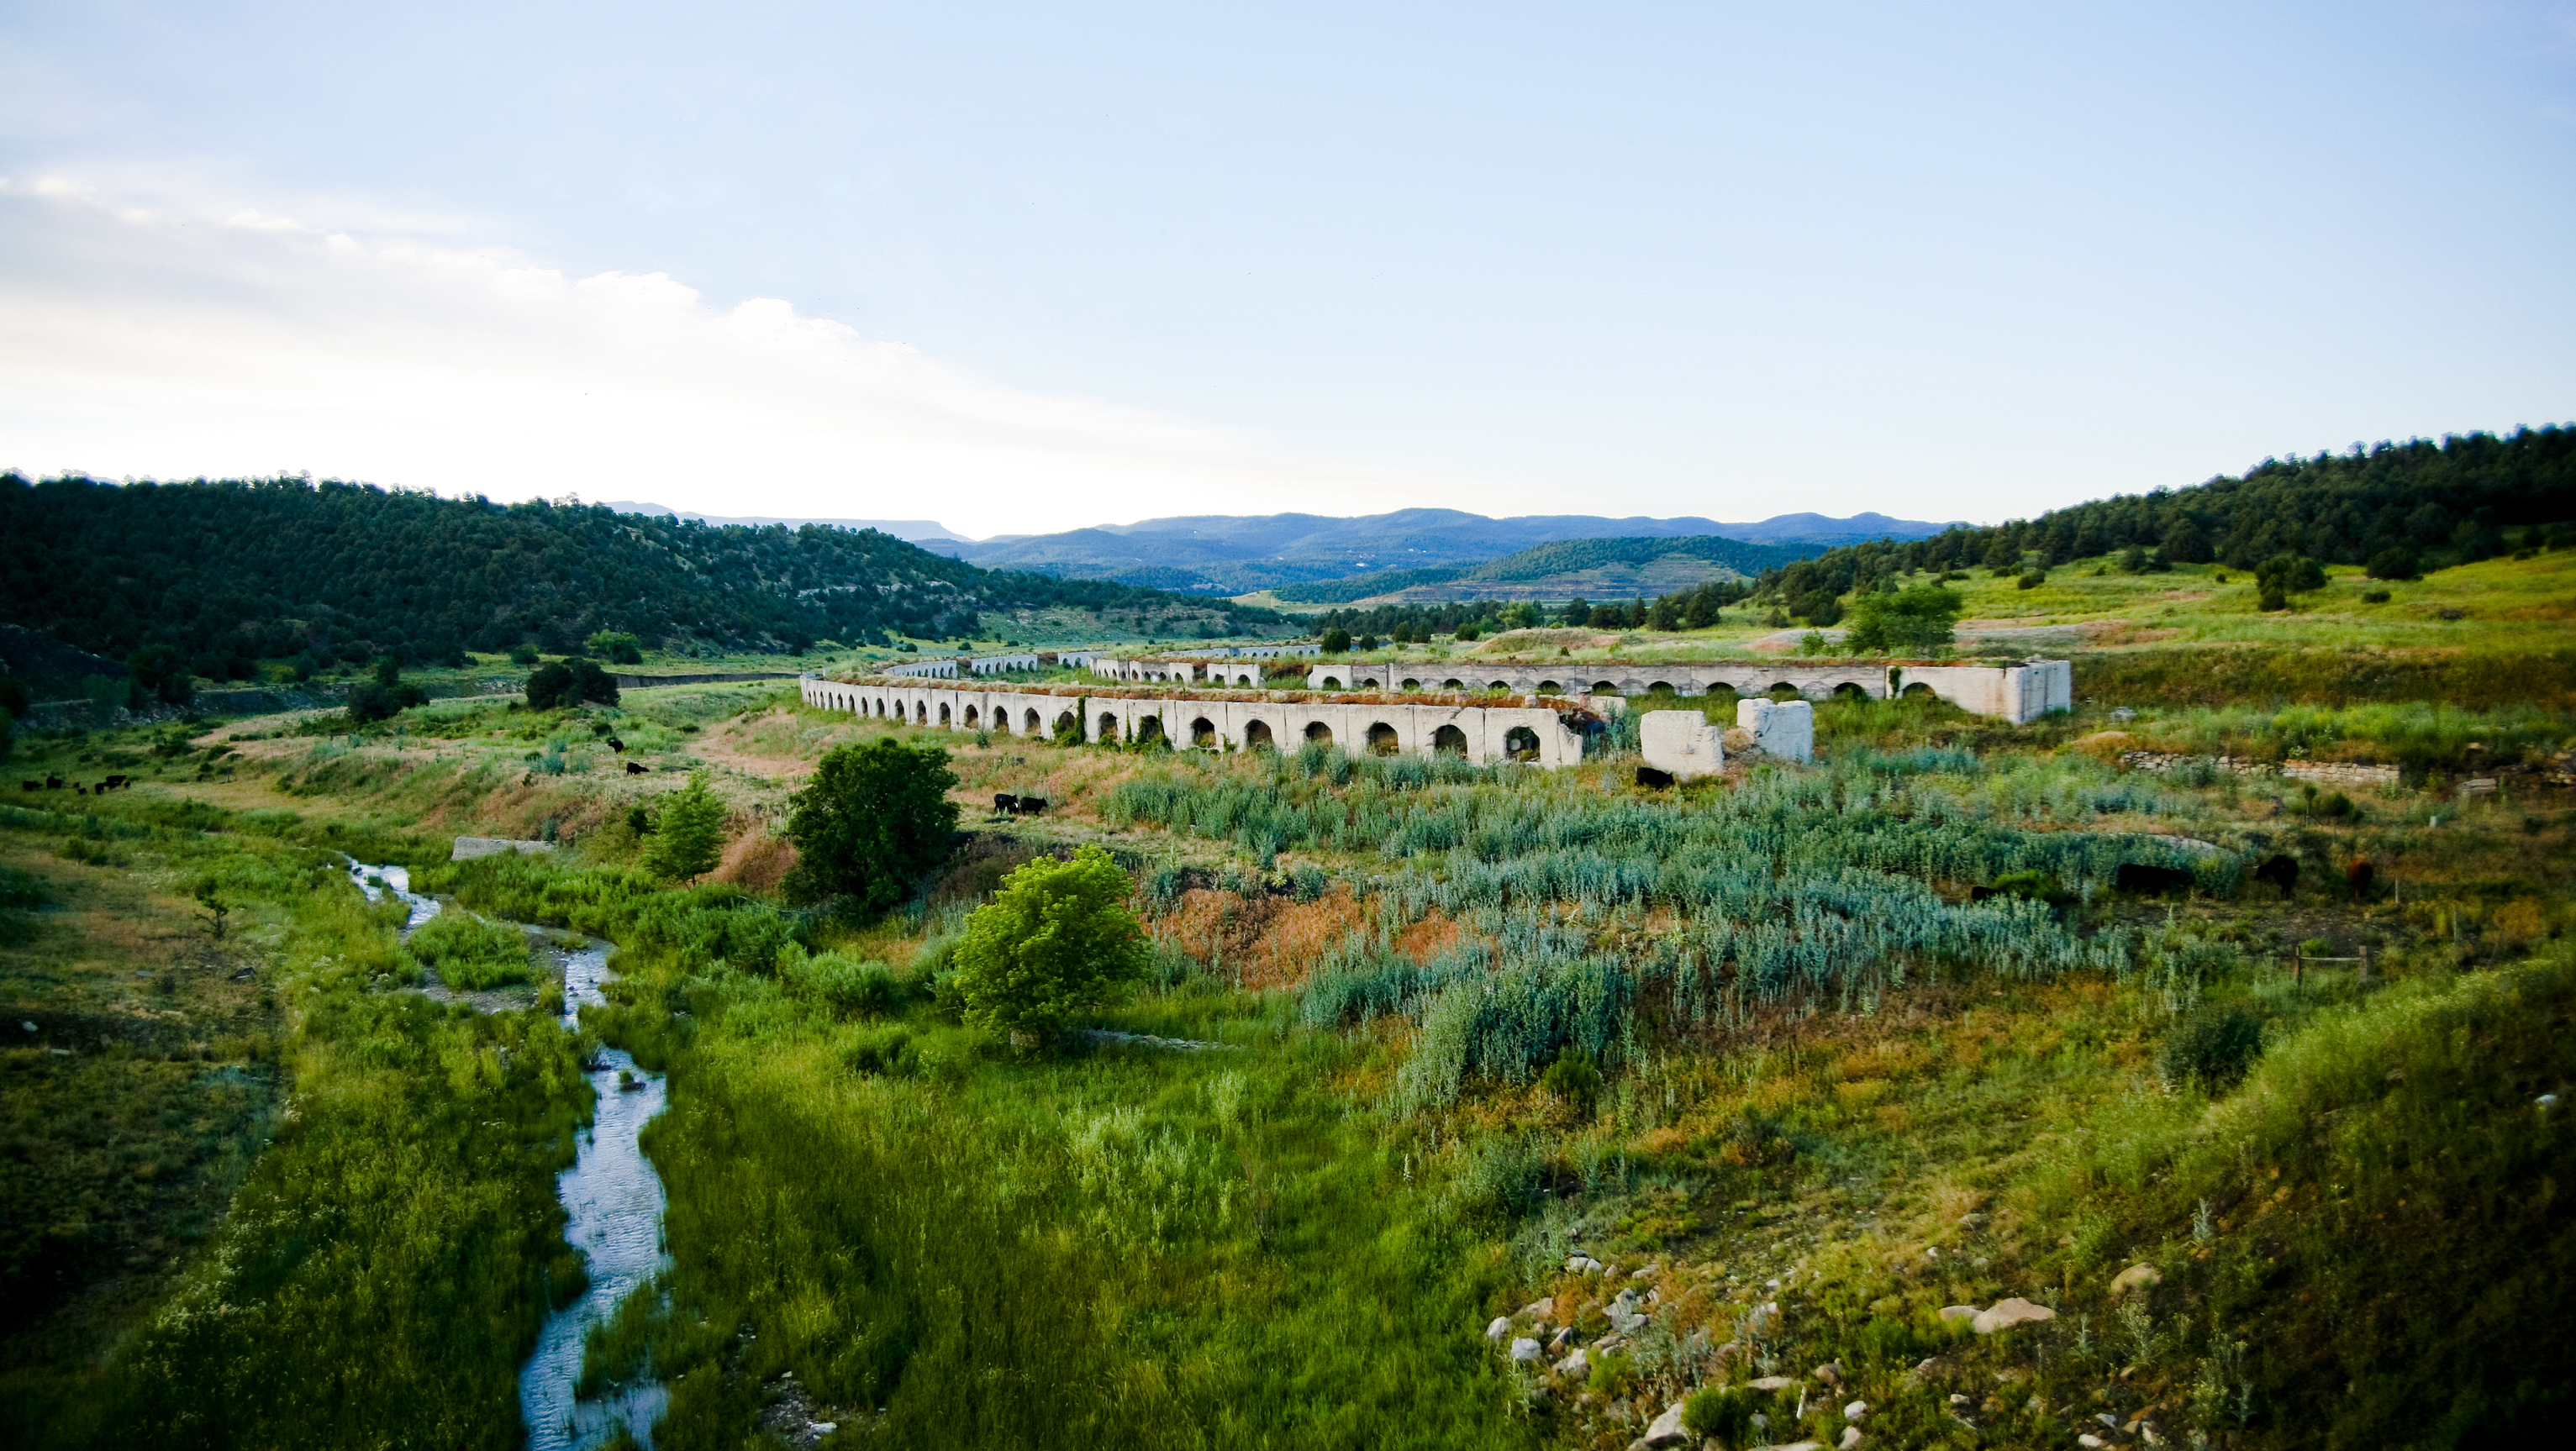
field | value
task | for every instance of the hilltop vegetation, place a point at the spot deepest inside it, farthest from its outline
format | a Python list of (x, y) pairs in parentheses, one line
[(1558, 569), (240, 571)]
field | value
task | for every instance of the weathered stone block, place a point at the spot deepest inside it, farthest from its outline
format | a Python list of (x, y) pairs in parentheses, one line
[(1784, 730), (1683, 743)]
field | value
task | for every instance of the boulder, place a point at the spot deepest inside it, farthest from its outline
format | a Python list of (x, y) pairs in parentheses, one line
[(1564, 1337), (1773, 1383), (1958, 1312), (1501, 1327), (1665, 1430), (1540, 1308), (1575, 1363), (2005, 1314), (2135, 1277), (1524, 1350), (1831, 1372), (1851, 1439), (1855, 1410)]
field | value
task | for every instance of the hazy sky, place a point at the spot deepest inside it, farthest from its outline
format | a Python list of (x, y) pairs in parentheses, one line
[(1022, 268)]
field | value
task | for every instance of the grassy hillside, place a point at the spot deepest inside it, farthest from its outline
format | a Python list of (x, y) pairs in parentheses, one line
[(1560, 569)]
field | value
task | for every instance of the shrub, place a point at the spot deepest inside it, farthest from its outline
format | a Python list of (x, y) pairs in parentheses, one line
[(2032, 580), (2374, 597), (1056, 939), (569, 683), (690, 839), (887, 1050), (2213, 1048), (862, 988), (1911, 621), (2037, 886), (872, 820), (2395, 562), (1335, 641), (1574, 1077), (471, 953), (1720, 1413), (616, 647)]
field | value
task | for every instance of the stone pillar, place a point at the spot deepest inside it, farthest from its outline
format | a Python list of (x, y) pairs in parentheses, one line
[(1682, 742)]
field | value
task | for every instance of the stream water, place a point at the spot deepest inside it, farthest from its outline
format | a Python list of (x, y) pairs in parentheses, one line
[(615, 1202)]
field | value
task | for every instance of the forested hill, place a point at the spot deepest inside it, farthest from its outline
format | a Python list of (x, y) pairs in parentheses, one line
[(278, 567), (1557, 558), (2440, 503)]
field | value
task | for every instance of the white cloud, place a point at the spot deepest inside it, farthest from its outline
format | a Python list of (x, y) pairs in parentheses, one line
[(170, 342)]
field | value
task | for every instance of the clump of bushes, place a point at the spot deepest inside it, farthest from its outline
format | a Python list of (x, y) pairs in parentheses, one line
[(470, 953), (2212, 1048)]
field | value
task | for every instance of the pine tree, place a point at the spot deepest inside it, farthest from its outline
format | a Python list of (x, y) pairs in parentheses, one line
[(690, 839)]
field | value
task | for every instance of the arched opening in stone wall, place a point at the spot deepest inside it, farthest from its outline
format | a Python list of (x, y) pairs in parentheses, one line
[(1605, 687), (1203, 732), (1256, 736), (1520, 743), (1783, 690), (1920, 691), (1332, 682), (1412, 685), (943, 714), (1029, 724), (1149, 729), (1065, 724), (1320, 733), (1551, 687), (1449, 741), (1108, 727), (1848, 691), (1453, 683), (1368, 682), (1381, 740), (971, 721), (1498, 686), (1659, 687), (921, 712)]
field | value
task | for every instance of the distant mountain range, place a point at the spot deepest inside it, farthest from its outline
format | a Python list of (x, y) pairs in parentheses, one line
[(1230, 554), (1600, 569)]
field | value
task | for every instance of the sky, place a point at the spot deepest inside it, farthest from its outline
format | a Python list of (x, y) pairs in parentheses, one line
[(1026, 268)]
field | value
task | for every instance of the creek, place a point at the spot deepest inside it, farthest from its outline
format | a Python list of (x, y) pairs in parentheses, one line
[(615, 1202)]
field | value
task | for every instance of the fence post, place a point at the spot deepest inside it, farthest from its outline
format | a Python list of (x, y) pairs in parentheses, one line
[(2298, 966), (2365, 963)]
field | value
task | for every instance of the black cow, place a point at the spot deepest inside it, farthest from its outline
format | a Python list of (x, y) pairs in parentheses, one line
[(2281, 871), (31, 785), (1649, 776), (2357, 876), (1980, 894), (113, 783), (53, 783), (617, 745), (1004, 803), (636, 768), (1032, 806), (2134, 877)]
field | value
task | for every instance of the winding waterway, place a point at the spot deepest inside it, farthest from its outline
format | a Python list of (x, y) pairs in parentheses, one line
[(615, 1202)]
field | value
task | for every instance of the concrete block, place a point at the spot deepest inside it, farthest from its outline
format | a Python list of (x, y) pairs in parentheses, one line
[(1683, 743), (1783, 730)]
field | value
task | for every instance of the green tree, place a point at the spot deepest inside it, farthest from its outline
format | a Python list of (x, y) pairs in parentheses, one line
[(1911, 621), (873, 819), (690, 839), (569, 683), (1578, 612), (1056, 939), (1520, 615), (158, 670), (616, 647), (1336, 641)]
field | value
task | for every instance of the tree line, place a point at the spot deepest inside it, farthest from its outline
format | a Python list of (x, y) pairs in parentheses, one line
[(2396, 507), (227, 573)]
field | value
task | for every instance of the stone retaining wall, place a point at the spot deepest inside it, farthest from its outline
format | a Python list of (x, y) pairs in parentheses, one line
[(2017, 693)]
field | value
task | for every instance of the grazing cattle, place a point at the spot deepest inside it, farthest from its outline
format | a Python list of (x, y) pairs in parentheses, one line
[(1980, 894), (636, 768), (617, 745), (2357, 876), (2281, 871), (113, 783), (53, 783), (1032, 806), (1004, 803), (2136, 878), (31, 785), (79, 790), (1649, 776)]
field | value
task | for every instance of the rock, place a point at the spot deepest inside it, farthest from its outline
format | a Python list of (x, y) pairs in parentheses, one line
[(1562, 1336), (1664, 1430), (1971, 1220), (1648, 1273), (2005, 1314), (2090, 1441), (1540, 1308), (1957, 1399), (1831, 1372), (1524, 1350), (2135, 1277), (1851, 1438), (1575, 1363), (1801, 1446), (1501, 1327), (824, 1428), (1929, 1366), (1855, 1410), (1773, 1383), (1958, 1312)]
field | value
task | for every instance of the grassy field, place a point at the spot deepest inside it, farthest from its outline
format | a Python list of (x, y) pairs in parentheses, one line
[(1759, 1048)]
